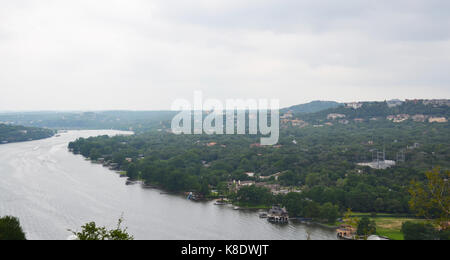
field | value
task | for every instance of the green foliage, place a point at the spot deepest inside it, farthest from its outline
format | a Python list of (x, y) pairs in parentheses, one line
[(91, 231), (431, 199), (329, 212), (10, 229), (253, 195), (323, 163), (12, 133), (133, 172), (298, 206), (366, 227), (419, 231)]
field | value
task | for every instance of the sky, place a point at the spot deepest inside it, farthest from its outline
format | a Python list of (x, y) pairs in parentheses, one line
[(144, 54)]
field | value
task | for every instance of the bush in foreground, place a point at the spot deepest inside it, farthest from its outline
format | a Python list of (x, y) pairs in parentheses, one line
[(90, 231), (10, 229)]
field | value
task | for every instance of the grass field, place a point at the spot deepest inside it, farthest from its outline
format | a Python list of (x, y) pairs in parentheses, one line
[(388, 225)]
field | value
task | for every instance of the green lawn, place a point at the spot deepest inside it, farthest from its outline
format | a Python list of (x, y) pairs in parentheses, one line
[(388, 225), (390, 233)]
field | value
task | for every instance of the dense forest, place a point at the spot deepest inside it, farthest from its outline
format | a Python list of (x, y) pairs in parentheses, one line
[(12, 133), (318, 163)]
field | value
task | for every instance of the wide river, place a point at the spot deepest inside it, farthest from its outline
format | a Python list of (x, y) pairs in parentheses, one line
[(52, 190)]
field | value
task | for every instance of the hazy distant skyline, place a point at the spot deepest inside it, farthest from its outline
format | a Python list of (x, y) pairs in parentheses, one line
[(143, 54)]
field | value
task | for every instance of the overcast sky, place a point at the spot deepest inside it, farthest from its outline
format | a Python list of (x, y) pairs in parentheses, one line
[(143, 54)]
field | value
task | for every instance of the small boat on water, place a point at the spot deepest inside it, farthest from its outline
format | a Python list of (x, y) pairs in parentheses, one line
[(236, 208), (220, 203), (263, 215)]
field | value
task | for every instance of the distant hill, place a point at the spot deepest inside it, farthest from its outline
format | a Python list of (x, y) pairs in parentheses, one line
[(137, 121), (312, 107), (394, 110), (13, 133)]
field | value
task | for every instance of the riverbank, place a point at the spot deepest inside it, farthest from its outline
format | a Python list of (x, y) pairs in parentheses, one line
[(23, 134), (388, 225)]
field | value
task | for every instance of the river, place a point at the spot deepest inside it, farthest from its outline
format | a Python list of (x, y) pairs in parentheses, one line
[(52, 190)]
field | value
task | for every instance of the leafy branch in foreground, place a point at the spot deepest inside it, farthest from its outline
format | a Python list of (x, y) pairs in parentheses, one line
[(432, 199), (90, 231)]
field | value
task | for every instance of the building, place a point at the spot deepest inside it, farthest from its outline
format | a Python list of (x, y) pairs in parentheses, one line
[(299, 123), (354, 105), (275, 176), (437, 120), (414, 146), (278, 215), (379, 165), (419, 118), (398, 118), (437, 102), (335, 116), (250, 174), (287, 115), (394, 103), (346, 232)]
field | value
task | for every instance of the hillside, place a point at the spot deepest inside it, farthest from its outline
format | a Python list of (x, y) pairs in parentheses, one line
[(430, 111), (312, 107), (11, 133)]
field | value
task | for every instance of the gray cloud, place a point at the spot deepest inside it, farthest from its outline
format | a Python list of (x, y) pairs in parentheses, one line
[(139, 54)]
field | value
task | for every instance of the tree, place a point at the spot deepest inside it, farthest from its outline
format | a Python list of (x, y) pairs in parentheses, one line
[(329, 212), (10, 229), (419, 231), (312, 210), (90, 231), (133, 172), (349, 219), (255, 196), (432, 198), (294, 203), (204, 188), (366, 227), (222, 188)]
